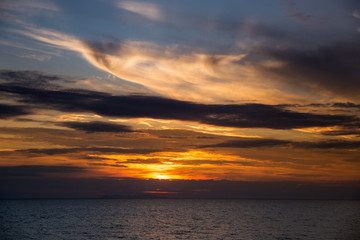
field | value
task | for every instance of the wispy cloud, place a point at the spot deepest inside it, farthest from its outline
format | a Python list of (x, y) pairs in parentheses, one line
[(356, 14), (240, 116), (38, 57), (171, 72), (148, 10), (29, 6), (98, 127), (261, 74), (307, 20), (256, 143)]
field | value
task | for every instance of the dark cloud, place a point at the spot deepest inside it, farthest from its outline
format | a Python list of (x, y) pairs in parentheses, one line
[(331, 144), (333, 67), (8, 111), (109, 48), (96, 126), (32, 78), (108, 165), (101, 51), (256, 143), (96, 158), (145, 161), (37, 170), (302, 175), (136, 106), (346, 105), (250, 143), (57, 151), (215, 162), (342, 132)]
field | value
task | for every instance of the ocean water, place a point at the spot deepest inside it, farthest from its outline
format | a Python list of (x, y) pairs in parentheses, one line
[(179, 219)]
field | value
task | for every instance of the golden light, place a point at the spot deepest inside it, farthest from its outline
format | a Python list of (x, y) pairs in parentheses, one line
[(161, 176), (202, 165), (171, 165)]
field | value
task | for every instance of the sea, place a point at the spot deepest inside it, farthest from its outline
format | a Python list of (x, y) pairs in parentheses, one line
[(107, 219)]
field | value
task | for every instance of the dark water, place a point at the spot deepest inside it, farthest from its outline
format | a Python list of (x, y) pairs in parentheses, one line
[(179, 219)]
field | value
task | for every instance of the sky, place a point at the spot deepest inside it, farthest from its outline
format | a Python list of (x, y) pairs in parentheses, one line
[(180, 98)]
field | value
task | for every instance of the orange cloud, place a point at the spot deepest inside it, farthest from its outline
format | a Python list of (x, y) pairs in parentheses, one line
[(170, 72)]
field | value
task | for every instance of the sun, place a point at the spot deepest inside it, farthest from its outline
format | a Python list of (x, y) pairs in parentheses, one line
[(160, 176)]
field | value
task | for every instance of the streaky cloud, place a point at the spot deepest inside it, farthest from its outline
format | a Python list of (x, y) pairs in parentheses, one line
[(170, 71), (346, 105), (342, 132), (33, 78), (38, 170), (101, 150), (250, 143), (259, 143), (137, 106), (148, 10), (29, 4), (97, 126), (10, 111), (330, 144)]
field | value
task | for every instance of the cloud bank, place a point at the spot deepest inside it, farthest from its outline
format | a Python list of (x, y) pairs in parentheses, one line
[(240, 116)]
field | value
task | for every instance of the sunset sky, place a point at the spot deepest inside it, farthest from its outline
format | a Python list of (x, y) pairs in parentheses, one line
[(179, 98)]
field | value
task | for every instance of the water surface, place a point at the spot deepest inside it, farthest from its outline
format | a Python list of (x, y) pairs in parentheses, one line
[(179, 219)]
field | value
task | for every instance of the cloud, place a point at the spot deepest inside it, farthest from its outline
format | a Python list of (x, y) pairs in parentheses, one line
[(240, 116), (99, 150), (9, 111), (250, 143), (330, 144), (257, 143), (108, 165), (307, 19), (170, 72), (96, 158), (29, 5), (195, 162), (33, 78), (143, 161), (193, 75), (255, 72), (333, 68), (173, 72), (356, 14), (37, 170), (96, 126), (148, 10), (342, 132), (346, 105), (38, 57)]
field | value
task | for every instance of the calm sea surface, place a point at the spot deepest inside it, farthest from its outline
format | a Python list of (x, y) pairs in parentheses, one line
[(179, 219)]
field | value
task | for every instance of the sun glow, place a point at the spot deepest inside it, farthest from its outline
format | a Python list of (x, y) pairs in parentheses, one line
[(161, 176), (171, 165)]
